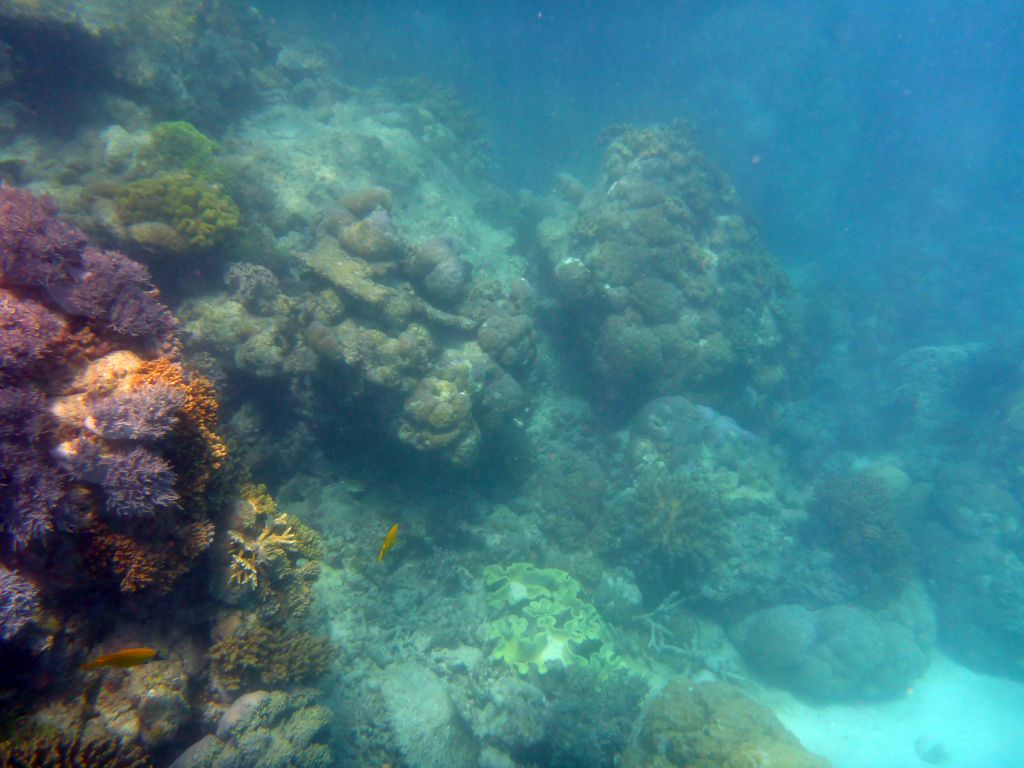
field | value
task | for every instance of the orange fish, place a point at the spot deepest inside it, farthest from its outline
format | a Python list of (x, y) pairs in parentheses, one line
[(389, 542), (129, 657)]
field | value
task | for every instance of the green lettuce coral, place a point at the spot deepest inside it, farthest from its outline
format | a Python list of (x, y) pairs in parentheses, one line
[(539, 620)]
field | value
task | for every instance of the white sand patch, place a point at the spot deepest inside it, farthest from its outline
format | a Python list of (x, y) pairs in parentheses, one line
[(977, 719)]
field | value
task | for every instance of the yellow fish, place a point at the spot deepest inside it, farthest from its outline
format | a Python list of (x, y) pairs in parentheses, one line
[(129, 657), (389, 542)]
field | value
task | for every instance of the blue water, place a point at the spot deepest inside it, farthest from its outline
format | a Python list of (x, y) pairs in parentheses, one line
[(873, 138)]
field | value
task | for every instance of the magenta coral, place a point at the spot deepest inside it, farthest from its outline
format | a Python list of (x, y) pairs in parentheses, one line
[(36, 249), (137, 482), (146, 413)]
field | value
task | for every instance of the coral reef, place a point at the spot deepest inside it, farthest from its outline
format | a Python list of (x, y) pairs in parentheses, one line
[(62, 751), (108, 458), (691, 724), (668, 284), (256, 656)]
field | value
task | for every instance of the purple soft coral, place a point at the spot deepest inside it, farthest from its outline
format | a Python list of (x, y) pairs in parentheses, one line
[(146, 413), (36, 249), (19, 599), (28, 331), (137, 482), (117, 293), (33, 491), (32, 497), (105, 287)]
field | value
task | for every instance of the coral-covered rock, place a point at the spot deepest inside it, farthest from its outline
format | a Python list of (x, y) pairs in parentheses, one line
[(56, 750), (278, 729), (690, 724), (509, 339), (259, 657), (669, 287), (841, 652)]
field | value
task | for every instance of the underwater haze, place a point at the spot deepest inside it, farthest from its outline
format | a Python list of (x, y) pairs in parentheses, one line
[(502, 385)]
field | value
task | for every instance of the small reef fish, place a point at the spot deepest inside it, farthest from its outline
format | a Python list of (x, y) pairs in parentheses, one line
[(129, 657), (389, 542)]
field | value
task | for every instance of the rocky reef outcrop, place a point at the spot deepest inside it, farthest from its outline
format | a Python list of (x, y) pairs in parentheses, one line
[(667, 285)]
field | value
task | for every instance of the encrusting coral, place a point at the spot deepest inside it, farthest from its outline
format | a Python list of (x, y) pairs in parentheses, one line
[(272, 554), (713, 724), (256, 656), (57, 750)]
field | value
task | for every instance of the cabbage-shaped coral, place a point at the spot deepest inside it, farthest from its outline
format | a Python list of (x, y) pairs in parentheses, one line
[(178, 144), (198, 210), (540, 620)]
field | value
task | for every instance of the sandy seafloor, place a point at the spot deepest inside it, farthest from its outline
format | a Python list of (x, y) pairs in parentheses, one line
[(978, 720)]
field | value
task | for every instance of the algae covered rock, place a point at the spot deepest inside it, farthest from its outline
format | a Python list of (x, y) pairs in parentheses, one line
[(712, 724)]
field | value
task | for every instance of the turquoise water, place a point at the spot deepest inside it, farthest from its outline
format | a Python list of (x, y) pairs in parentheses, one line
[(571, 384)]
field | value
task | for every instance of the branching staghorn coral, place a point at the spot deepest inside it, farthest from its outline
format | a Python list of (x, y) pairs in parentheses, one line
[(272, 554)]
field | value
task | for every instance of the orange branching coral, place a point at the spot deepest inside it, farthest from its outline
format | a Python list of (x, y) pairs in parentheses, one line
[(251, 555), (266, 550), (140, 564), (198, 414)]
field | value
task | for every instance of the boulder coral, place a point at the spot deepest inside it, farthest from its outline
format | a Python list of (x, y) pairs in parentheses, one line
[(704, 724), (669, 286)]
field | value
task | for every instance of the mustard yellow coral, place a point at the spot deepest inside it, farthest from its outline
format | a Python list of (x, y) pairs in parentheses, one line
[(198, 210)]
